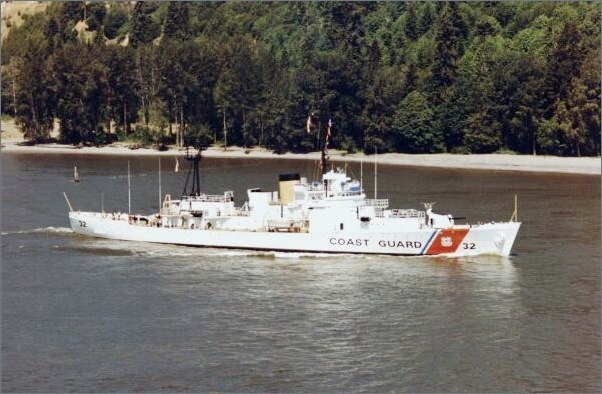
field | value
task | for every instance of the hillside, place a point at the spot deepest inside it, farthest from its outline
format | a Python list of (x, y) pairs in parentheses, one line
[(14, 12), (424, 77)]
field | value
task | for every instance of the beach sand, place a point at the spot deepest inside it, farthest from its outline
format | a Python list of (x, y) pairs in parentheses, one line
[(11, 140)]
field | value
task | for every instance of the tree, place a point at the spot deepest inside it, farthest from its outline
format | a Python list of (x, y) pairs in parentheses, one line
[(572, 115), (115, 19), (590, 77), (567, 99), (413, 126), (32, 95), (483, 132), (565, 62), (122, 87), (80, 82), (186, 74), (176, 25), (147, 79), (518, 92), (238, 88), (52, 34), (411, 25), (450, 37), (387, 89), (144, 29), (71, 13), (426, 19), (96, 15)]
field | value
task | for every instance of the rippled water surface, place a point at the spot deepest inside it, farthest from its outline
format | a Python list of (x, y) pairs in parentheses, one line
[(91, 315)]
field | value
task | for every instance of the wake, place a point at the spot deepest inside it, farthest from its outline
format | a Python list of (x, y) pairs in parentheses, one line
[(43, 230)]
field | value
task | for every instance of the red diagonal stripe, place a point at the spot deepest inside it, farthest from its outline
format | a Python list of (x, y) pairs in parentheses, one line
[(447, 241)]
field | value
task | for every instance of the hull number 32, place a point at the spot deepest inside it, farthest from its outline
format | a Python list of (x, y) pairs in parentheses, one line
[(468, 245)]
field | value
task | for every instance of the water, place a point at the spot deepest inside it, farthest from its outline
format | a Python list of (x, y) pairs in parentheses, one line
[(91, 315)]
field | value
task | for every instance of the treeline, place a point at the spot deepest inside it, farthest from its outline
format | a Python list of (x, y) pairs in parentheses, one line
[(414, 77)]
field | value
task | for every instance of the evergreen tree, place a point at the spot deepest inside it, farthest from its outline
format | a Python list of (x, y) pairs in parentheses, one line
[(518, 93), (483, 131), (52, 34), (450, 37), (590, 78), (71, 13), (565, 60), (80, 82), (411, 25), (96, 15), (122, 94), (176, 25), (144, 29), (32, 93), (115, 19), (426, 18), (413, 126)]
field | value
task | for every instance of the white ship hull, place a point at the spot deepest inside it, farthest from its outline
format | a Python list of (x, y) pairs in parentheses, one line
[(460, 240)]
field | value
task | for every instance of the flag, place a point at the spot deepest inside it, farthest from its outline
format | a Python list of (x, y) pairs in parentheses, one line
[(309, 124), (177, 165)]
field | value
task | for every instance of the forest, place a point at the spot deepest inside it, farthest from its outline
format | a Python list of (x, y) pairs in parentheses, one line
[(412, 77)]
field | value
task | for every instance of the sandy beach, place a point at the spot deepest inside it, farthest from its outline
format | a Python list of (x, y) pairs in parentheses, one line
[(11, 143)]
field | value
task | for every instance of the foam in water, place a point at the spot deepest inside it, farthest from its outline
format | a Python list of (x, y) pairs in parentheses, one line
[(55, 230)]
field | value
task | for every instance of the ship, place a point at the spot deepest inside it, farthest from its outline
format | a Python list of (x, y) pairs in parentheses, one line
[(328, 215)]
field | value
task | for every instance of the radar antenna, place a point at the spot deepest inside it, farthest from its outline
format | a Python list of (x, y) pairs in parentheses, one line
[(428, 205)]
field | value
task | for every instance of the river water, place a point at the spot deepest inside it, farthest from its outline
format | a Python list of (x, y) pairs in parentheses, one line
[(89, 315)]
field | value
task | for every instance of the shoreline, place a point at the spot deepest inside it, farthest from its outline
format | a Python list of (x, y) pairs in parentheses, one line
[(490, 162)]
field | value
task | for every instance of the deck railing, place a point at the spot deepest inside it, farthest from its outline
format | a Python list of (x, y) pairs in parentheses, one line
[(378, 203), (407, 213), (210, 198)]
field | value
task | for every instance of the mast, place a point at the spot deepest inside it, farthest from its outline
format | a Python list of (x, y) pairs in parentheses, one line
[(68, 203), (225, 129), (362, 173), (324, 159), (159, 184), (514, 217), (129, 191), (195, 189), (375, 173), (325, 140)]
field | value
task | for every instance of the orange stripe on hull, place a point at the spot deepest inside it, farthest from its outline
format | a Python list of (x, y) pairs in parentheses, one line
[(447, 241)]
